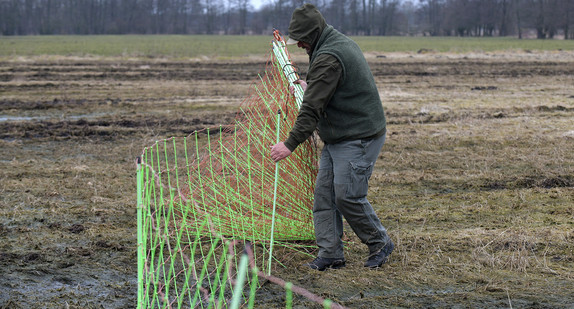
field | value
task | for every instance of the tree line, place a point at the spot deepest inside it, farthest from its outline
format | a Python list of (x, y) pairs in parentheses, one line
[(537, 18)]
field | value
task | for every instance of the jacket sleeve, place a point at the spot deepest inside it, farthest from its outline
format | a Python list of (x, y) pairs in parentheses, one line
[(322, 80)]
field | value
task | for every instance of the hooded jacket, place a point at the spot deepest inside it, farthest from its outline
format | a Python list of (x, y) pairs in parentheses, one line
[(341, 99)]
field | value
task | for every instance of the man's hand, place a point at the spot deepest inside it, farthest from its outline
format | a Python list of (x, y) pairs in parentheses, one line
[(279, 152), (299, 82)]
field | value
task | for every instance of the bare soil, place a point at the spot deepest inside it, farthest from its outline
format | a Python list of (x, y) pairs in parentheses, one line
[(475, 183)]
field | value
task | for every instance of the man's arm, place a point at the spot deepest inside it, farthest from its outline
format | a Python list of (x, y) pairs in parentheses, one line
[(322, 81)]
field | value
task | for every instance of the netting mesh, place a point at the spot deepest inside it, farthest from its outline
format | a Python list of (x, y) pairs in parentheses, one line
[(203, 197)]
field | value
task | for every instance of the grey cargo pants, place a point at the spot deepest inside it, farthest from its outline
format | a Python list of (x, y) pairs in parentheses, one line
[(341, 191)]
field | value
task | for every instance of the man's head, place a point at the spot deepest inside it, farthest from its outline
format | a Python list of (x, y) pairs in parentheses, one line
[(306, 27)]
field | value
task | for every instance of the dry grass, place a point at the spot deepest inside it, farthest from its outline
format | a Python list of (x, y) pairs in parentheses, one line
[(475, 183)]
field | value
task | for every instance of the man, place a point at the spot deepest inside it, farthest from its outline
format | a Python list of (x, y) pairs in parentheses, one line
[(341, 100)]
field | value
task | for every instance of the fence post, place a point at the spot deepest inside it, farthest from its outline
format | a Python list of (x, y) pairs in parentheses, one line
[(274, 195), (140, 248)]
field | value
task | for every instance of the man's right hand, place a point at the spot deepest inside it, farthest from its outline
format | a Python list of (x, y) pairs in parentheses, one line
[(279, 152)]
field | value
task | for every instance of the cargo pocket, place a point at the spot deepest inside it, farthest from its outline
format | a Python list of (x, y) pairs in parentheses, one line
[(360, 174)]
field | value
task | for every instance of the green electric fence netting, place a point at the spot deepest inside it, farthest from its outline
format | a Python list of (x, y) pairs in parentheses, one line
[(214, 202)]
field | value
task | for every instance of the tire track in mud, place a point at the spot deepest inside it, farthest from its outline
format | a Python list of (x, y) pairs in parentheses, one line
[(144, 70), (470, 68), (111, 128), (128, 70), (483, 113)]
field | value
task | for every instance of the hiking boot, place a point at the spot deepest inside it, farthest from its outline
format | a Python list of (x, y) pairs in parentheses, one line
[(322, 264), (380, 257)]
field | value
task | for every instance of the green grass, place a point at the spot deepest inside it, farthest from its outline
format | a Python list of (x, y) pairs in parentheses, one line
[(135, 46), (192, 46), (458, 45)]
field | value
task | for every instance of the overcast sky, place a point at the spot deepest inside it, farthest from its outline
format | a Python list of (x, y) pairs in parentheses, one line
[(257, 3)]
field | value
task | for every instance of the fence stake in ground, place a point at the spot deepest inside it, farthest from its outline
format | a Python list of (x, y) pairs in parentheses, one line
[(274, 195)]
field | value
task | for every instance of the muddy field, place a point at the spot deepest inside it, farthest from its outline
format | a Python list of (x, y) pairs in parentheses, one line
[(475, 183)]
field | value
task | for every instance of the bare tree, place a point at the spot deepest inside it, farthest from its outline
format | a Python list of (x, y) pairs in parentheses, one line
[(540, 29), (431, 16), (517, 9), (568, 12), (387, 11), (504, 18), (338, 9)]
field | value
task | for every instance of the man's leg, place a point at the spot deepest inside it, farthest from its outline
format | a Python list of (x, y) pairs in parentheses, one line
[(353, 163), (327, 219)]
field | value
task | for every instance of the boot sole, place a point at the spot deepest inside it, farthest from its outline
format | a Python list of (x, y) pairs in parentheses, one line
[(337, 266)]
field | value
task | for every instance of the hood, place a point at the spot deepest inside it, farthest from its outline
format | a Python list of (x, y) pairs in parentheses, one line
[(306, 24)]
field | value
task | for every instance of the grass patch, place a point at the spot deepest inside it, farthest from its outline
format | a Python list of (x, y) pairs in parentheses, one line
[(221, 47), (458, 45), (172, 46)]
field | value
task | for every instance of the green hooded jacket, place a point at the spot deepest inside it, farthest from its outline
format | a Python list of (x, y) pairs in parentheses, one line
[(348, 106)]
